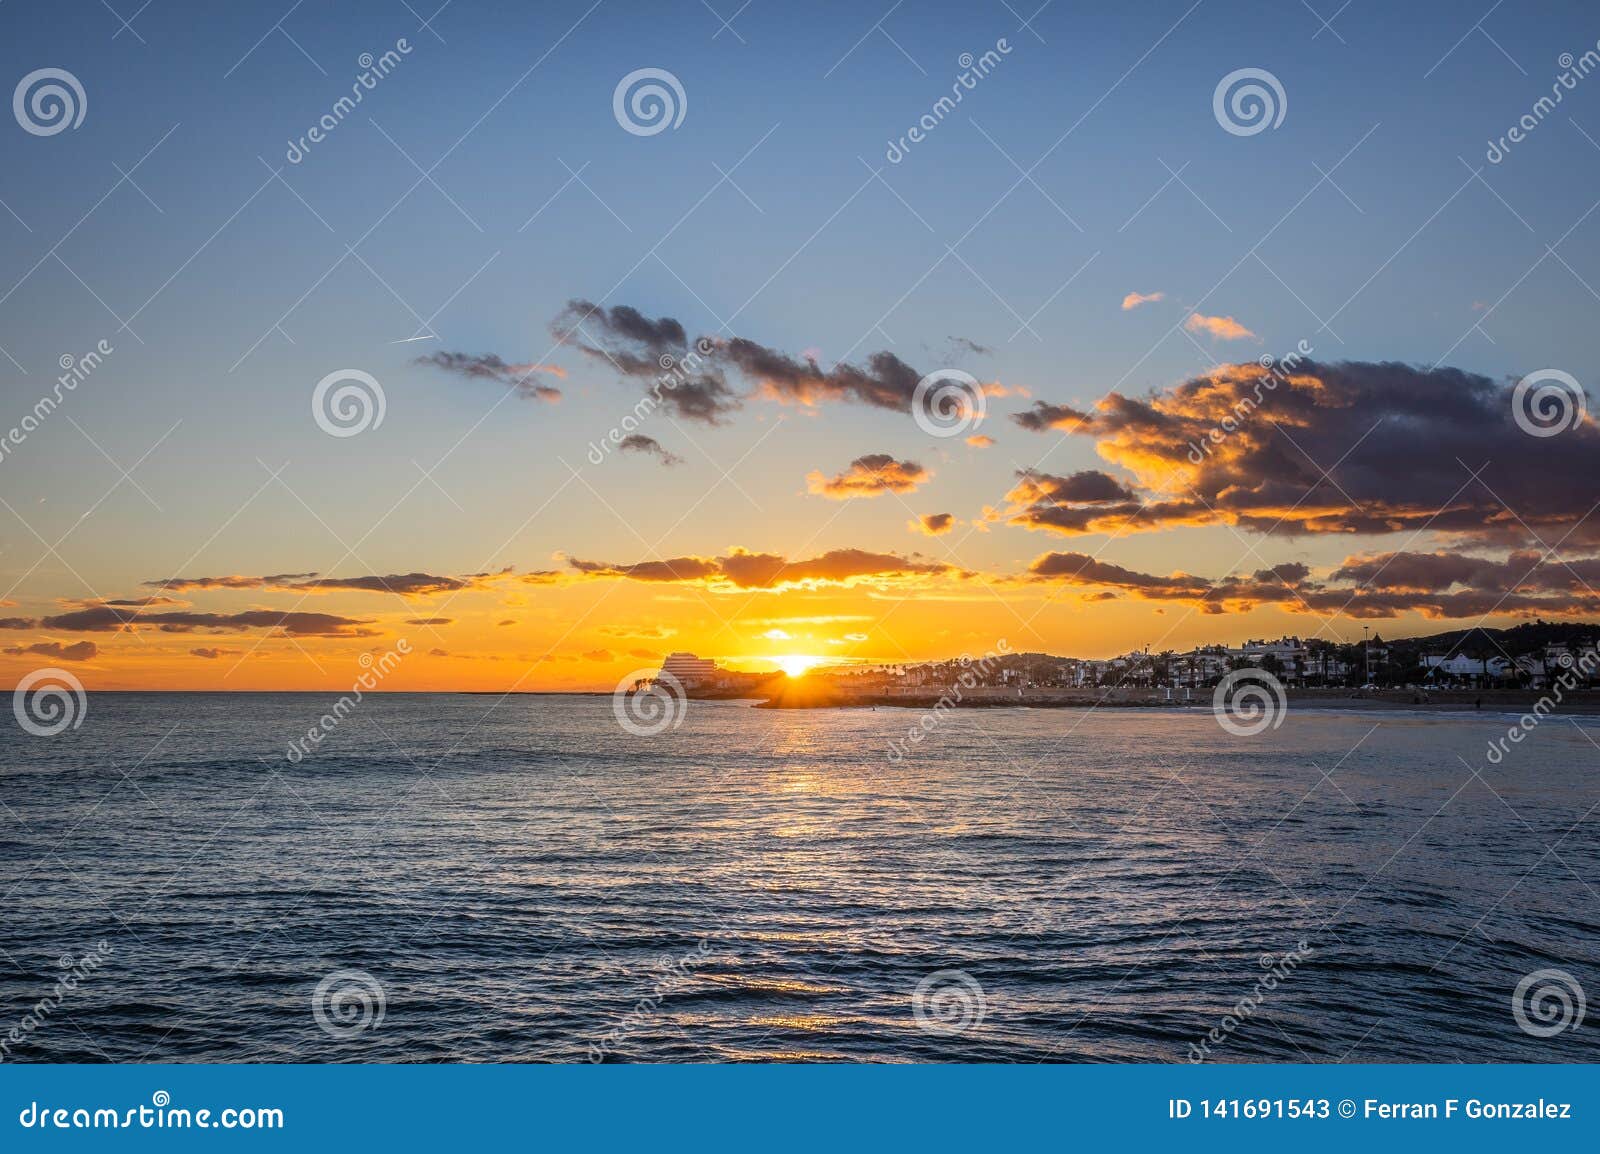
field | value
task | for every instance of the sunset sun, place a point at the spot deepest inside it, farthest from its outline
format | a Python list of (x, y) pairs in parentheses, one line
[(797, 664)]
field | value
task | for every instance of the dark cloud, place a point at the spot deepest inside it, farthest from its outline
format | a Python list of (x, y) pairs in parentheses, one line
[(933, 524), (430, 621), (187, 584), (886, 382), (1081, 502), (1046, 416), (1290, 573), (1435, 585), (693, 380), (746, 570), (403, 584), (110, 619), (639, 443), (1246, 446), (16, 623), (687, 383), (78, 651), (215, 654), (869, 476), (489, 367)]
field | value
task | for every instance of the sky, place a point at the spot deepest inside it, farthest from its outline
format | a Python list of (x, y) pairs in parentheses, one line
[(1095, 247)]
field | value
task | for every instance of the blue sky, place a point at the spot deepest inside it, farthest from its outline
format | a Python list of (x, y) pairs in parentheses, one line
[(802, 249)]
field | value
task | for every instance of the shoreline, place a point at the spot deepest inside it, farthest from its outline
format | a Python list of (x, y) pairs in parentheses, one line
[(1488, 701)]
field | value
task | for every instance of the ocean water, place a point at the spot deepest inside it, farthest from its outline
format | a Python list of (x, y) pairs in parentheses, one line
[(468, 878)]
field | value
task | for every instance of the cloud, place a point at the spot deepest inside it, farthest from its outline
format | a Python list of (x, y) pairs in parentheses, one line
[(1080, 502), (980, 440), (644, 654), (1406, 450), (1220, 328), (1046, 416), (869, 476), (404, 584), (741, 569), (489, 367), (690, 385), (17, 623), (643, 632), (214, 654), (79, 651), (603, 655), (967, 344), (932, 524), (109, 619), (693, 379), (187, 584), (639, 443), (1436, 585), (886, 382), (1134, 300), (430, 621)]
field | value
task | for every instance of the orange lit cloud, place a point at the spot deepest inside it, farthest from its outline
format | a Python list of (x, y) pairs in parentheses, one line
[(869, 476), (1220, 328), (1305, 447), (741, 569), (1134, 300)]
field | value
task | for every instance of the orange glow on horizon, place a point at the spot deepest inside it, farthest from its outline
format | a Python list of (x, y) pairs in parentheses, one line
[(797, 664)]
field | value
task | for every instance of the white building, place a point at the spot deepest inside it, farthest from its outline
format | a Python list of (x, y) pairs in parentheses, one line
[(689, 669)]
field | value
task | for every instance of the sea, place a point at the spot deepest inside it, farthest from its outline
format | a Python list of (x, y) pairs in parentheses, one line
[(477, 878)]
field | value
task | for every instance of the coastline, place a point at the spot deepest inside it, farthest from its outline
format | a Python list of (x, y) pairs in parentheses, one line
[(1488, 701)]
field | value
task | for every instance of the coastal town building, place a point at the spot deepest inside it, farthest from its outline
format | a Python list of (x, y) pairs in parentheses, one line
[(689, 669)]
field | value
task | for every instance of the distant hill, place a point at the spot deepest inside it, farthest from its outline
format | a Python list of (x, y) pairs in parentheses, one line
[(1524, 638)]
